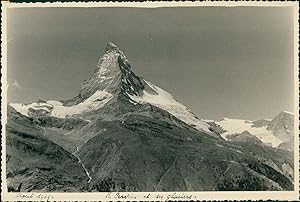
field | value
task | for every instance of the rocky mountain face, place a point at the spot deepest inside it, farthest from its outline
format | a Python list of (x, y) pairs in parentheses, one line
[(123, 133), (282, 126)]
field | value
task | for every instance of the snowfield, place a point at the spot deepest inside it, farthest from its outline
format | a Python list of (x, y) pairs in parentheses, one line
[(237, 126), (24, 108), (165, 101), (56, 108)]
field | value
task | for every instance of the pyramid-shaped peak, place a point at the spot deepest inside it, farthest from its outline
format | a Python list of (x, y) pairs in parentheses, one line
[(111, 46), (113, 75)]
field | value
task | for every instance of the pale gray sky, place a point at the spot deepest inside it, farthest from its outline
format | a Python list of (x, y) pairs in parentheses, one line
[(220, 62)]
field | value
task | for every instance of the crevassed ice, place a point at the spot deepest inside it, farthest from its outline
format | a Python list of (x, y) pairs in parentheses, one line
[(236, 126), (96, 101), (166, 102)]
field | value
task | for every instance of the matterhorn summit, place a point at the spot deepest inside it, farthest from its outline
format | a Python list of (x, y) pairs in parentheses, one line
[(112, 74), (113, 81), (110, 47)]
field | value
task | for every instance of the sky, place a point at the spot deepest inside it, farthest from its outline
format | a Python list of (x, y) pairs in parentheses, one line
[(220, 62)]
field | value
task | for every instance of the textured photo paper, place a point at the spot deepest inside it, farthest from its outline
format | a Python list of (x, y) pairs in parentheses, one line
[(151, 101)]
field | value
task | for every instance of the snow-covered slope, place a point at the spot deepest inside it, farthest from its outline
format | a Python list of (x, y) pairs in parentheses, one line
[(56, 108), (162, 99), (113, 77), (238, 126)]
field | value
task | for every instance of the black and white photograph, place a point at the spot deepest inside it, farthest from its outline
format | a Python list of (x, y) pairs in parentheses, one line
[(176, 100)]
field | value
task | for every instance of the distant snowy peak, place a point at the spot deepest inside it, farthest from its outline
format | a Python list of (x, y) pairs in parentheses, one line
[(282, 125), (238, 126), (272, 132), (284, 116)]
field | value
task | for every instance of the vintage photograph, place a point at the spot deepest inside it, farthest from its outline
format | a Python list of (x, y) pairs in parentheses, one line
[(149, 99)]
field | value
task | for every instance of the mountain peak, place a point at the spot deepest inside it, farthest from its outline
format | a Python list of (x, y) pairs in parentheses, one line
[(113, 74), (111, 47), (284, 116)]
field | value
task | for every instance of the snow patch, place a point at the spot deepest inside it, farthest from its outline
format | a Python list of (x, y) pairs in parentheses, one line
[(21, 108), (208, 120), (40, 108), (54, 103), (288, 112), (132, 102)]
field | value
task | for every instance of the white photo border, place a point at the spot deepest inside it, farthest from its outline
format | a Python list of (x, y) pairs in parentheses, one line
[(149, 196)]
